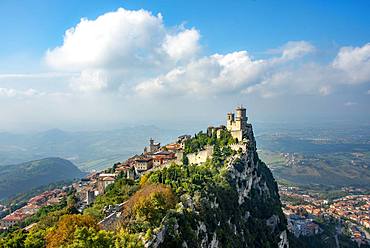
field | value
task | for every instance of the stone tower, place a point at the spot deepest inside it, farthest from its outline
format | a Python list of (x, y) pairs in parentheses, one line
[(237, 124), (153, 147)]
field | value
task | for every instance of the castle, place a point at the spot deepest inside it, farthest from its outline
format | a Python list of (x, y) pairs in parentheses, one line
[(237, 124)]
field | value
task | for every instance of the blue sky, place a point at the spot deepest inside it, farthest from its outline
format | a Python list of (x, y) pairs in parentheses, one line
[(265, 54), (30, 27)]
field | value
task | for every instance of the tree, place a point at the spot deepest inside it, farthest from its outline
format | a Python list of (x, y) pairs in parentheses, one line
[(16, 239), (143, 179), (64, 230), (71, 204), (217, 156), (127, 240), (149, 204), (185, 160), (92, 238), (35, 239)]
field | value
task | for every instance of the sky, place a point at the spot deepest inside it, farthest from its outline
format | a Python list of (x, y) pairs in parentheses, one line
[(98, 64)]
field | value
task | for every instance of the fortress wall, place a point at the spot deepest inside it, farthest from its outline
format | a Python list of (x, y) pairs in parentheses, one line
[(179, 156), (200, 157)]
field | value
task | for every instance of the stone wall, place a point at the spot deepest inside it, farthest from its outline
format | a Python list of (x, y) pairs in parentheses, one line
[(200, 157)]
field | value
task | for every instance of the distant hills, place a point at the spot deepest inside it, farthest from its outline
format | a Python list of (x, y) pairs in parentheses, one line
[(88, 149), (19, 178)]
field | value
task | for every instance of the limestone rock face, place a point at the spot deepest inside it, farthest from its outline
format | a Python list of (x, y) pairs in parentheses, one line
[(245, 211)]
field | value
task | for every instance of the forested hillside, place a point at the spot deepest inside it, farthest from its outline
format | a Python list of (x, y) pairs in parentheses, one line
[(24, 177)]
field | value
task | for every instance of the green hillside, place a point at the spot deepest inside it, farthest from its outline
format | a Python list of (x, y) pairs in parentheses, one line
[(23, 177)]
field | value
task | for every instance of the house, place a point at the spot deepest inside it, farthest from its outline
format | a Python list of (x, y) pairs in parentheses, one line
[(122, 168), (127, 169), (104, 180), (182, 139), (38, 200), (174, 147), (143, 163), (162, 157), (12, 219)]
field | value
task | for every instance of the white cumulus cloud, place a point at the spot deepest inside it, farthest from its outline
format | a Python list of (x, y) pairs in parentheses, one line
[(226, 73), (133, 52), (123, 44), (355, 63), (182, 45)]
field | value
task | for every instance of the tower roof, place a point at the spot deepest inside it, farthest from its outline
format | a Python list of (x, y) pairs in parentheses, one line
[(240, 107)]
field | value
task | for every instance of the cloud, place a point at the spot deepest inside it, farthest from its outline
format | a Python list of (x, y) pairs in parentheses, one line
[(182, 45), (349, 104), (11, 93), (106, 66), (48, 75), (113, 37), (324, 90), (354, 62), (227, 73), (205, 76), (133, 53), (125, 45), (293, 49), (285, 72), (90, 80)]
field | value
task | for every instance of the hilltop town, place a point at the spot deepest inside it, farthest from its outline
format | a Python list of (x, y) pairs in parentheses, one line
[(190, 185), (230, 147), (154, 156)]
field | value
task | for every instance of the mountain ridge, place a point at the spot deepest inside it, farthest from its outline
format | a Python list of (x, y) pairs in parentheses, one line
[(22, 177)]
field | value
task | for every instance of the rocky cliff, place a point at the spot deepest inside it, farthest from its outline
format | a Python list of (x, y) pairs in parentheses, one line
[(237, 206)]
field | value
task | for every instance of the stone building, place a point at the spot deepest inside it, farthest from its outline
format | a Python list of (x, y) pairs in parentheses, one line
[(153, 147), (215, 130), (182, 139), (163, 157), (143, 163), (237, 124), (104, 180), (12, 219)]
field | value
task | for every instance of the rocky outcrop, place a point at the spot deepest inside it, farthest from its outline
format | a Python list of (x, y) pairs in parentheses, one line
[(242, 210)]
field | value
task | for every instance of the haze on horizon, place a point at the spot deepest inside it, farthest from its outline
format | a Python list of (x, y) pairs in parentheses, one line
[(99, 64)]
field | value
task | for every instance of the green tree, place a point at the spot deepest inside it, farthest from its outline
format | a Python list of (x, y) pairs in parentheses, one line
[(128, 240), (92, 238), (35, 239), (15, 240)]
